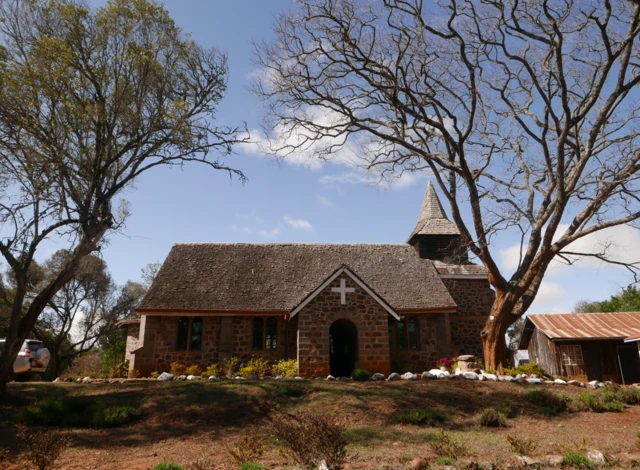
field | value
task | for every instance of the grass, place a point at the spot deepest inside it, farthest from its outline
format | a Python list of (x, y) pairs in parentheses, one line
[(492, 418), (420, 417), (168, 466), (291, 392), (363, 436), (576, 460), (76, 412), (549, 403)]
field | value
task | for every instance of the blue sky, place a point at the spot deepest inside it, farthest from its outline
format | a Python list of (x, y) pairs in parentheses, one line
[(284, 202)]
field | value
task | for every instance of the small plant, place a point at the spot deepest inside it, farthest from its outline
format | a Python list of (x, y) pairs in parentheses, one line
[(154, 374), (252, 466), (291, 392), (574, 459), (309, 438), (360, 375), (213, 369), (420, 417), (256, 366), (288, 368), (506, 408), (113, 416), (248, 448), (168, 466), (597, 403), (492, 418), (177, 369), (446, 447), (553, 402), (445, 460), (510, 371), (120, 370), (444, 362), (521, 446), (133, 373), (230, 366), (546, 411), (193, 369), (43, 448), (531, 369)]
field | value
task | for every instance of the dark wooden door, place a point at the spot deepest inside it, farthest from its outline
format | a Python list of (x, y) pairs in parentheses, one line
[(593, 363), (629, 364)]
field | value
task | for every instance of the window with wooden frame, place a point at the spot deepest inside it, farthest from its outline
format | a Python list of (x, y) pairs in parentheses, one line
[(571, 355), (265, 334), (189, 334), (408, 334)]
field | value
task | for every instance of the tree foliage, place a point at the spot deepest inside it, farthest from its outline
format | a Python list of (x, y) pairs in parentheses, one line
[(89, 100), (627, 300), (524, 113)]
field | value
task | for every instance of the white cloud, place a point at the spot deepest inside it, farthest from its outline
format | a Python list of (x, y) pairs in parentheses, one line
[(272, 233), (241, 229), (325, 201), (403, 180), (298, 224)]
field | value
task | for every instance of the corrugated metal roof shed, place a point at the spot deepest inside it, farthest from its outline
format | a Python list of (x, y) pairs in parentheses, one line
[(617, 325)]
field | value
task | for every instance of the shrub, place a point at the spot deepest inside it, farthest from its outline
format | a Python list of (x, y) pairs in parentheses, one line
[(521, 446), (444, 362), (445, 460), (420, 417), (506, 408), (531, 369), (43, 448), (193, 369), (248, 448), (360, 375), (154, 375), (492, 418), (597, 403), (285, 367), (85, 365), (309, 438), (446, 447), (177, 369), (256, 366), (168, 466), (120, 370), (546, 399), (510, 371), (213, 369), (291, 392), (573, 459), (76, 412), (252, 466), (546, 411), (230, 366)]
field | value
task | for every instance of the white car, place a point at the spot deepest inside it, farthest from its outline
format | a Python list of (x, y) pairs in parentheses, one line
[(32, 358)]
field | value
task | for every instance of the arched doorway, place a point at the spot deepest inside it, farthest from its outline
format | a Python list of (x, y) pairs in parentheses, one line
[(343, 338)]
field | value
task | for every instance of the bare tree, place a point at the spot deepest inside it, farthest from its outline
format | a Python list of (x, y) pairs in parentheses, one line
[(89, 100), (525, 113)]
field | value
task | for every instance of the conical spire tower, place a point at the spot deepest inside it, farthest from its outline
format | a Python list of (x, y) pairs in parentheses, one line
[(435, 236)]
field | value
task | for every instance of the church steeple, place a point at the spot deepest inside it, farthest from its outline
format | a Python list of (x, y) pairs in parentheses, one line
[(435, 236)]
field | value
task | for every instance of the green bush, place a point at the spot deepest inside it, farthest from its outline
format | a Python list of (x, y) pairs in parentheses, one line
[(597, 403), (492, 418), (573, 459), (154, 375), (213, 369), (75, 412), (360, 375), (252, 466), (120, 370), (552, 402), (445, 460), (507, 409), (529, 369), (193, 369), (288, 368), (291, 392), (546, 411), (255, 366), (420, 417), (168, 466), (177, 369)]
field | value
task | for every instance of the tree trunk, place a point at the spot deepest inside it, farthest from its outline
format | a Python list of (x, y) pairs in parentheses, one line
[(8, 357), (493, 334), (54, 366)]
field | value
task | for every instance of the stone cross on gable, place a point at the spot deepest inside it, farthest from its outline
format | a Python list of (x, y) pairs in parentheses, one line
[(343, 290)]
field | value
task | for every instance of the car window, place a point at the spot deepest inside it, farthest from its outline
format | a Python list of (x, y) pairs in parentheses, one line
[(34, 346)]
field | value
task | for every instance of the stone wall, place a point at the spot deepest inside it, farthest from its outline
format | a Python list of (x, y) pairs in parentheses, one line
[(369, 318), (474, 298), (161, 335), (133, 333), (433, 344)]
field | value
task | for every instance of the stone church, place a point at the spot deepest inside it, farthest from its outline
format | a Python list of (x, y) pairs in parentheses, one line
[(332, 307)]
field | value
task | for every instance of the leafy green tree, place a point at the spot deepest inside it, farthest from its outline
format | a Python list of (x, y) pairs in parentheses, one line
[(90, 99), (627, 300)]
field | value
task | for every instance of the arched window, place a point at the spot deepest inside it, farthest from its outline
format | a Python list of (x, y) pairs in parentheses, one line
[(183, 334), (258, 333), (272, 333), (401, 335), (413, 333), (196, 334)]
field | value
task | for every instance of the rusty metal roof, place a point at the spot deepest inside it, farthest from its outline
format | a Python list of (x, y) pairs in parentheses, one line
[(632, 339), (618, 325)]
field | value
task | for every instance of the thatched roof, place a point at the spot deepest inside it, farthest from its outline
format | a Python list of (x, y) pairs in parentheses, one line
[(250, 277), (433, 220)]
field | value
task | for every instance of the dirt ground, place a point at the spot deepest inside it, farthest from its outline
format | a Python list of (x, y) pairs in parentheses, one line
[(186, 421)]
